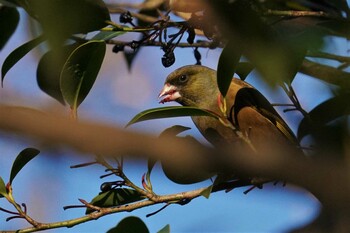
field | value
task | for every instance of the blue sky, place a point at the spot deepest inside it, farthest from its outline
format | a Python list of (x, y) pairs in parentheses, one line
[(46, 185)]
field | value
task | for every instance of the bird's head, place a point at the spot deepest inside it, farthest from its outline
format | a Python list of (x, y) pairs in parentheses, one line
[(192, 85)]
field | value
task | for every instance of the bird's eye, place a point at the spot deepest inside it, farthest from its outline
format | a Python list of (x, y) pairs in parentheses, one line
[(183, 78)]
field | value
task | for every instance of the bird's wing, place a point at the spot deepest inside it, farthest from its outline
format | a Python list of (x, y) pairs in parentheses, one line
[(250, 97)]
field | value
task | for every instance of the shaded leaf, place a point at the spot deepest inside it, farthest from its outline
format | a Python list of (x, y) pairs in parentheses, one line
[(3, 190), (9, 3), (324, 113), (130, 225), (165, 229), (173, 130), (61, 18), (21, 160), (243, 69), (49, 71), (9, 18), (18, 54), (107, 35), (227, 65), (189, 169), (166, 112), (115, 197), (80, 72)]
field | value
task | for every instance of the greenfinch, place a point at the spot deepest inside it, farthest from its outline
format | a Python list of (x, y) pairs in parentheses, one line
[(253, 119)]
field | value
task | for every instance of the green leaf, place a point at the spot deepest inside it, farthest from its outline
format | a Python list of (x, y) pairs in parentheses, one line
[(3, 190), (173, 131), (206, 192), (107, 35), (9, 18), (18, 54), (166, 112), (115, 197), (227, 65), (165, 229), (49, 71), (324, 113), (21, 160), (9, 3), (62, 18), (243, 69), (191, 168), (80, 72), (130, 225)]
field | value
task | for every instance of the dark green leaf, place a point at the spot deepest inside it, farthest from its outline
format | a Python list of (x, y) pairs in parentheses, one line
[(227, 65), (80, 72), (243, 69), (9, 3), (18, 54), (165, 229), (166, 112), (107, 35), (324, 113), (174, 130), (115, 197), (9, 18), (61, 18), (21, 160), (191, 168), (49, 71), (130, 225), (3, 190)]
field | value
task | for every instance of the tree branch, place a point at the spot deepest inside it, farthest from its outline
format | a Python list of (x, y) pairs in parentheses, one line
[(328, 179)]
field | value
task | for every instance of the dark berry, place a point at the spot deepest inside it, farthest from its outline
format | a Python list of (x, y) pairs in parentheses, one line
[(125, 17), (198, 56), (106, 186), (191, 35), (118, 48), (134, 45), (168, 59)]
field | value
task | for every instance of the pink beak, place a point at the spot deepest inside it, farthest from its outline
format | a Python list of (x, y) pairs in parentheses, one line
[(168, 93)]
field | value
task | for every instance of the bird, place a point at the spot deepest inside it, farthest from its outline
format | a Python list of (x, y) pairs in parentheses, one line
[(247, 110)]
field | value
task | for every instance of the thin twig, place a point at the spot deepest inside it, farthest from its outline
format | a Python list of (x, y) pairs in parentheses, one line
[(320, 14)]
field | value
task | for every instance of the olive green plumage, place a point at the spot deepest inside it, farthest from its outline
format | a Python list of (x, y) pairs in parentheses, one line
[(247, 109)]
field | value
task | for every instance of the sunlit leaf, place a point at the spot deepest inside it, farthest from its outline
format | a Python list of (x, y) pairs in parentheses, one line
[(206, 192), (227, 65), (324, 113), (115, 197), (130, 224), (165, 229), (21, 160), (166, 112), (9, 18), (49, 71), (2, 188), (107, 35), (18, 54), (80, 72)]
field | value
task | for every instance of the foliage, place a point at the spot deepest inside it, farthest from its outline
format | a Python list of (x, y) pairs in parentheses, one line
[(278, 39)]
